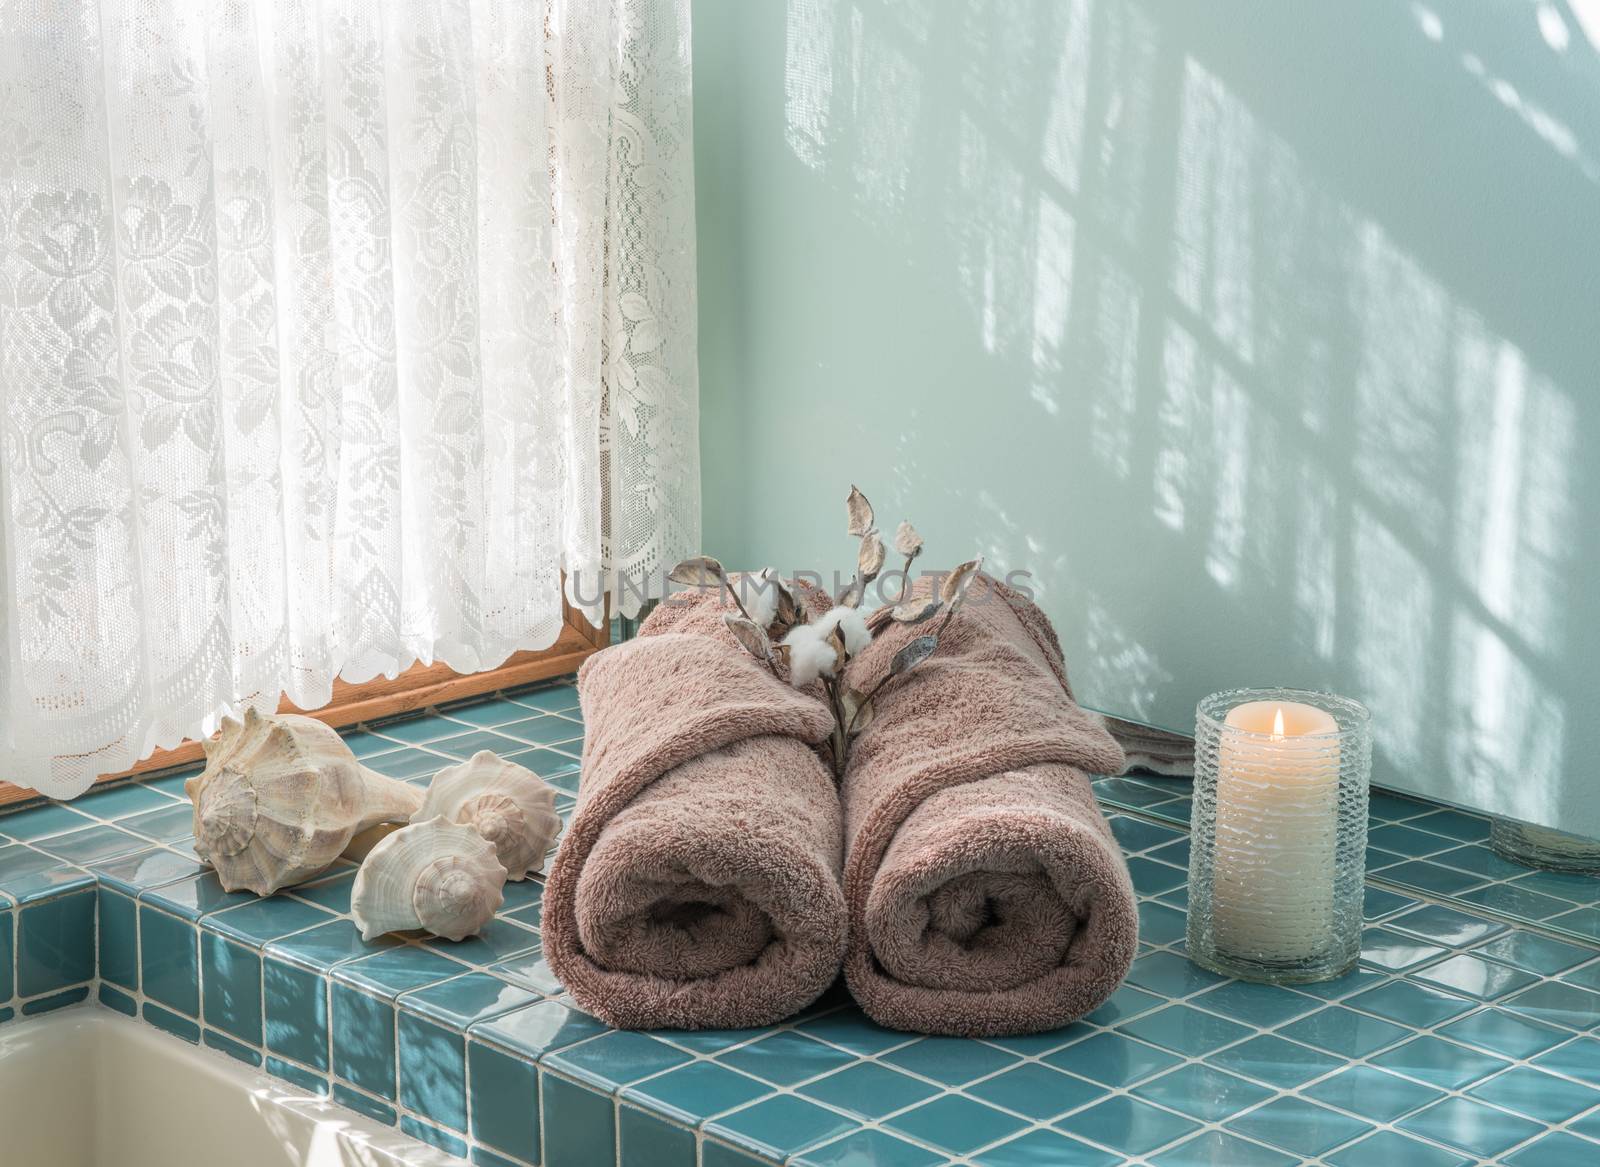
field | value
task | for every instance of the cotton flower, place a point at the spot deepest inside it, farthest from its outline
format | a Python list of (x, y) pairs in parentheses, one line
[(810, 654), (851, 622), (760, 598)]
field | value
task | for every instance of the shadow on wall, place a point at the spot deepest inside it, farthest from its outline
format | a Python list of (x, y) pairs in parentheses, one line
[(1265, 339)]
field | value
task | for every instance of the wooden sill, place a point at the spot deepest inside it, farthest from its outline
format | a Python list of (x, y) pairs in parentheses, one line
[(417, 688)]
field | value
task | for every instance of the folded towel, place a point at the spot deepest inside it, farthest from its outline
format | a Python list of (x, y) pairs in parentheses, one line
[(698, 883), (986, 894)]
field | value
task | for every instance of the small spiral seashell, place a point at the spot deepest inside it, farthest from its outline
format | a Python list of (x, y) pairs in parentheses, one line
[(505, 803), (439, 876)]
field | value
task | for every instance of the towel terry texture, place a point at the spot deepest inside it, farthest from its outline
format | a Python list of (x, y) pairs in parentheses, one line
[(698, 885), (985, 891)]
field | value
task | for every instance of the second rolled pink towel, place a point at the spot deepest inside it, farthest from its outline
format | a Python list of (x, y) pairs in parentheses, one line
[(985, 892)]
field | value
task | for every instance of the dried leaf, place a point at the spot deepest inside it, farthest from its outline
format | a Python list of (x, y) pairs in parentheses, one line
[(869, 560), (749, 635), (836, 640), (953, 589), (858, 711), (860, 512), (852, 595), (788, 607), (906, 540), (912, 655), (702, 571), (915, 611)]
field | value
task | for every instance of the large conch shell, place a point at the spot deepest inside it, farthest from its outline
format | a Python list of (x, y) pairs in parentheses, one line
[(439, 876), (506, 803), (280, 798)]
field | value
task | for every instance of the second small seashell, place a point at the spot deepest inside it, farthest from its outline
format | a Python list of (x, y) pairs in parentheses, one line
[(506, 803), (438, 876)]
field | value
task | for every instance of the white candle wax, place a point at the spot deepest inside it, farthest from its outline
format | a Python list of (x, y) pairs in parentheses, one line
[(1277, 811)]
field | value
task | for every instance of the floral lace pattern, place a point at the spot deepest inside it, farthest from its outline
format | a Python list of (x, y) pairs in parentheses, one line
[(331, 334)]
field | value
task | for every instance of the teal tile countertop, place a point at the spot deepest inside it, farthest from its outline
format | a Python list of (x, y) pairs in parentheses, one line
[(1464, 1037)]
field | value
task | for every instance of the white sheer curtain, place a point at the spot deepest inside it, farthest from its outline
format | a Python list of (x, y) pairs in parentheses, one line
[(331, 333)]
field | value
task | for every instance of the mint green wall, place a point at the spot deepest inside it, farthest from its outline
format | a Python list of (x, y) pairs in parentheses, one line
[(1264, 335)]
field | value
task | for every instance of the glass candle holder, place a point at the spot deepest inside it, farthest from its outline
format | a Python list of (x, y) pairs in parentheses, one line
[(1277, 848), (1546, 847)]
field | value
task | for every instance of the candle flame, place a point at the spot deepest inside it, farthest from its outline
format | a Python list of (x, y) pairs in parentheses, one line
[(1277, 723)]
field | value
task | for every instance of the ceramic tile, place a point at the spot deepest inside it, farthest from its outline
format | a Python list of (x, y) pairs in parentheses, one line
[(1217, 1149), (1260, 1005), (263, 920), (1300, 1127), (1476, 977), (851, 1029), (362, 1030), (1374, 1093), (616, 1059), (1556, 1003), (395, 970), (296, 1007), (1537, 1094), (1392, 1149), (1275, 1061), (43, 822), (1470, 1126), (881, 1149), (781, 1126), (118, 937), (461, 1001), (1410, 1004), (432, 1071), (503, 1102), (238, 1051), (694, 1092), (27, 874), (536, 1030), (7, 955), (1171, 975), (428, 1133), (1345, 1032), (1440, 1063), (788, 1057), (169, 1021), (195, 896), (230, 976), (1202, 1092), (135, 873), (644, 1140), (1504, 1033), (1037, 1091), (956, 1124), (1557, 1149), (93, 844), (1578, 1059), (1186, 1030), (1447, 926), (1387, 949), (1112, 1059), (1128, 1125), (169, 960)]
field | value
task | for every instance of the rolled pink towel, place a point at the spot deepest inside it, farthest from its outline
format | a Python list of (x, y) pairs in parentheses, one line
[(986, 894), (698, 883)]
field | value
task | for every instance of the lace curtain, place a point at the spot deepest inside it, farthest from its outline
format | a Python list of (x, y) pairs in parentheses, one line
[(331, 333)]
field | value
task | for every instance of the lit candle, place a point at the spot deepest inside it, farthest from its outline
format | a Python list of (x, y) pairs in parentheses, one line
[(1277, 817)]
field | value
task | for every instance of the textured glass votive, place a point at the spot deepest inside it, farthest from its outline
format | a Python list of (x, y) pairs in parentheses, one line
[(1535, 846), (1278, 834)]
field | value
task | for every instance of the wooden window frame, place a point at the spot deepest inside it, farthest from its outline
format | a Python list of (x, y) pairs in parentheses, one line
[(418, 687)]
